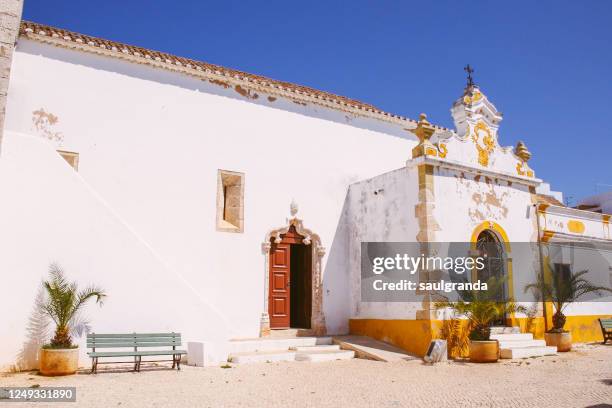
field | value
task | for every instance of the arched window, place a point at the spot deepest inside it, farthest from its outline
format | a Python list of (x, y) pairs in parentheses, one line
[(491, 248)]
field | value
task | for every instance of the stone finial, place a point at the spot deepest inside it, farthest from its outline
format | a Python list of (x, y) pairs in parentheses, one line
[(424, 129), (293, 208), (521, 151)]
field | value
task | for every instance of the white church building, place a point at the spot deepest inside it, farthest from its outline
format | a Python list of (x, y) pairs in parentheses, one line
[(226, 205)]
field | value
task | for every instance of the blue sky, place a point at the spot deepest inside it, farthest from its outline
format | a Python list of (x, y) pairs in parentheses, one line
[(546, 64)]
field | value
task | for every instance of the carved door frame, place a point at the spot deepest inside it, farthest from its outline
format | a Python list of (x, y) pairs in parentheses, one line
[(317, 318)]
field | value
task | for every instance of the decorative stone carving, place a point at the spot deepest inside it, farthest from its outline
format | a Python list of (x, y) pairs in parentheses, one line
[(484, 142), (521, 151), (477, 120), (293, 208), (522, 168)]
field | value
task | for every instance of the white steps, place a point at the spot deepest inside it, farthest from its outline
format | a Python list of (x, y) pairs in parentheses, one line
[(324, 355), (267, 350), (520, 345), (262, 357), (330, 347), (511, 337), (272, 344), (505, 330), (525, 352)]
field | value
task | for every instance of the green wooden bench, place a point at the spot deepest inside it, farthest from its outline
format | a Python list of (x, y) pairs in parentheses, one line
[(96, 341), (606, 329)]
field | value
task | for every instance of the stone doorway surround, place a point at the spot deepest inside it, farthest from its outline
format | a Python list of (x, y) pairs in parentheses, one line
[(317, 318)]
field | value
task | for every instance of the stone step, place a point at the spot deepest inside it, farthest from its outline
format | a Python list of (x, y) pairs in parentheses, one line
[(330, 347), (521, 343), (290, 333), (371, 349), (525, 352), (324, 355), (505, 330), (275, 344), (262, 357), (512, 336)]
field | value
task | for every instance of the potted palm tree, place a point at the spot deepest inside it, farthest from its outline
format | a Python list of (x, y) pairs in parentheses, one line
[(562, 290), (63, 303), (482, 308)]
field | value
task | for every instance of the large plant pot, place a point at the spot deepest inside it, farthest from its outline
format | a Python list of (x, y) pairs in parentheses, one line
[(484, 351), (59, 361), (562, 341)]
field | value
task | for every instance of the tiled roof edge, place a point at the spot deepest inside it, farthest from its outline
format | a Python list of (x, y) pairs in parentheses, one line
[(69, 39)]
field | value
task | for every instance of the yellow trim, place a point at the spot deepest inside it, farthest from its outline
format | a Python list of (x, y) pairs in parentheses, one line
[(547, 235), (542, 207), (490, 225), (415, 335), (575, 226)]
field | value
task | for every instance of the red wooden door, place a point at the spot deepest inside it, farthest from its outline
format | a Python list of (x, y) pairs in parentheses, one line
[(279, 302)]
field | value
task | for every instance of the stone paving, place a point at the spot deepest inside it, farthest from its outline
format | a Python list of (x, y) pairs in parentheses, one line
[(581, 378)]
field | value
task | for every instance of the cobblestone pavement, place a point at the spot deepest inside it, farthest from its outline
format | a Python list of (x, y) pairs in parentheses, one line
[(581, 378)]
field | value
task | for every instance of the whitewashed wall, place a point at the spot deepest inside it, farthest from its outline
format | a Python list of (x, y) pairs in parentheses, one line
[(150, 144), (466, 200), (381, 209), (48, 214)]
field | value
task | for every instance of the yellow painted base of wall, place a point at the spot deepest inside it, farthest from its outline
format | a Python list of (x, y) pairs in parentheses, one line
[(584, 329), (414, 336)]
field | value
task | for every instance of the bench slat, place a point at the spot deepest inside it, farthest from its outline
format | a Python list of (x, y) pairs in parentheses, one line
[(135, 340), (135, 353), (123, 345), (130, 335)]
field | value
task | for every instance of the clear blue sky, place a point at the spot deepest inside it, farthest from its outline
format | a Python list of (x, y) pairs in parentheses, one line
[(546, 64)]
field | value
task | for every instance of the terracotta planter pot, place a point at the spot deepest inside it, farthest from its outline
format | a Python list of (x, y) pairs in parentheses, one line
[(486, 351), (563, 341), (59, 361)]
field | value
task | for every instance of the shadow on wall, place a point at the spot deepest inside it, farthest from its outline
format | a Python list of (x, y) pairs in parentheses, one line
[(37, 334), (210, 86), (336, 278)]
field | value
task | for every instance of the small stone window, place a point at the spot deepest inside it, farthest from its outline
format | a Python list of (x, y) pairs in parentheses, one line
[(230, 201), (71, 157)]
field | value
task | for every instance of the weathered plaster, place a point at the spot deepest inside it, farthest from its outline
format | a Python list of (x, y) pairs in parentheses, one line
[(10, 18)]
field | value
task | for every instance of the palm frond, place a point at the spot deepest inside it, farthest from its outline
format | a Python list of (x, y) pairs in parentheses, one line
[(63, 303), (562, 290)]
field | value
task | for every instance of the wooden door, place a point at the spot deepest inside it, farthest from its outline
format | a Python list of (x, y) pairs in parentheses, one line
[(279, 301)]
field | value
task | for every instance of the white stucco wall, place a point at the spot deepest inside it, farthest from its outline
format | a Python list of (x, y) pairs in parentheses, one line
[(49, 214), (150, 144), (381, 209), (464, 200)]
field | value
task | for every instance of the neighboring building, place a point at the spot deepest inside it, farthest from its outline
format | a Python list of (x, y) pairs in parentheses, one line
[(600, 203), (168, 181)]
